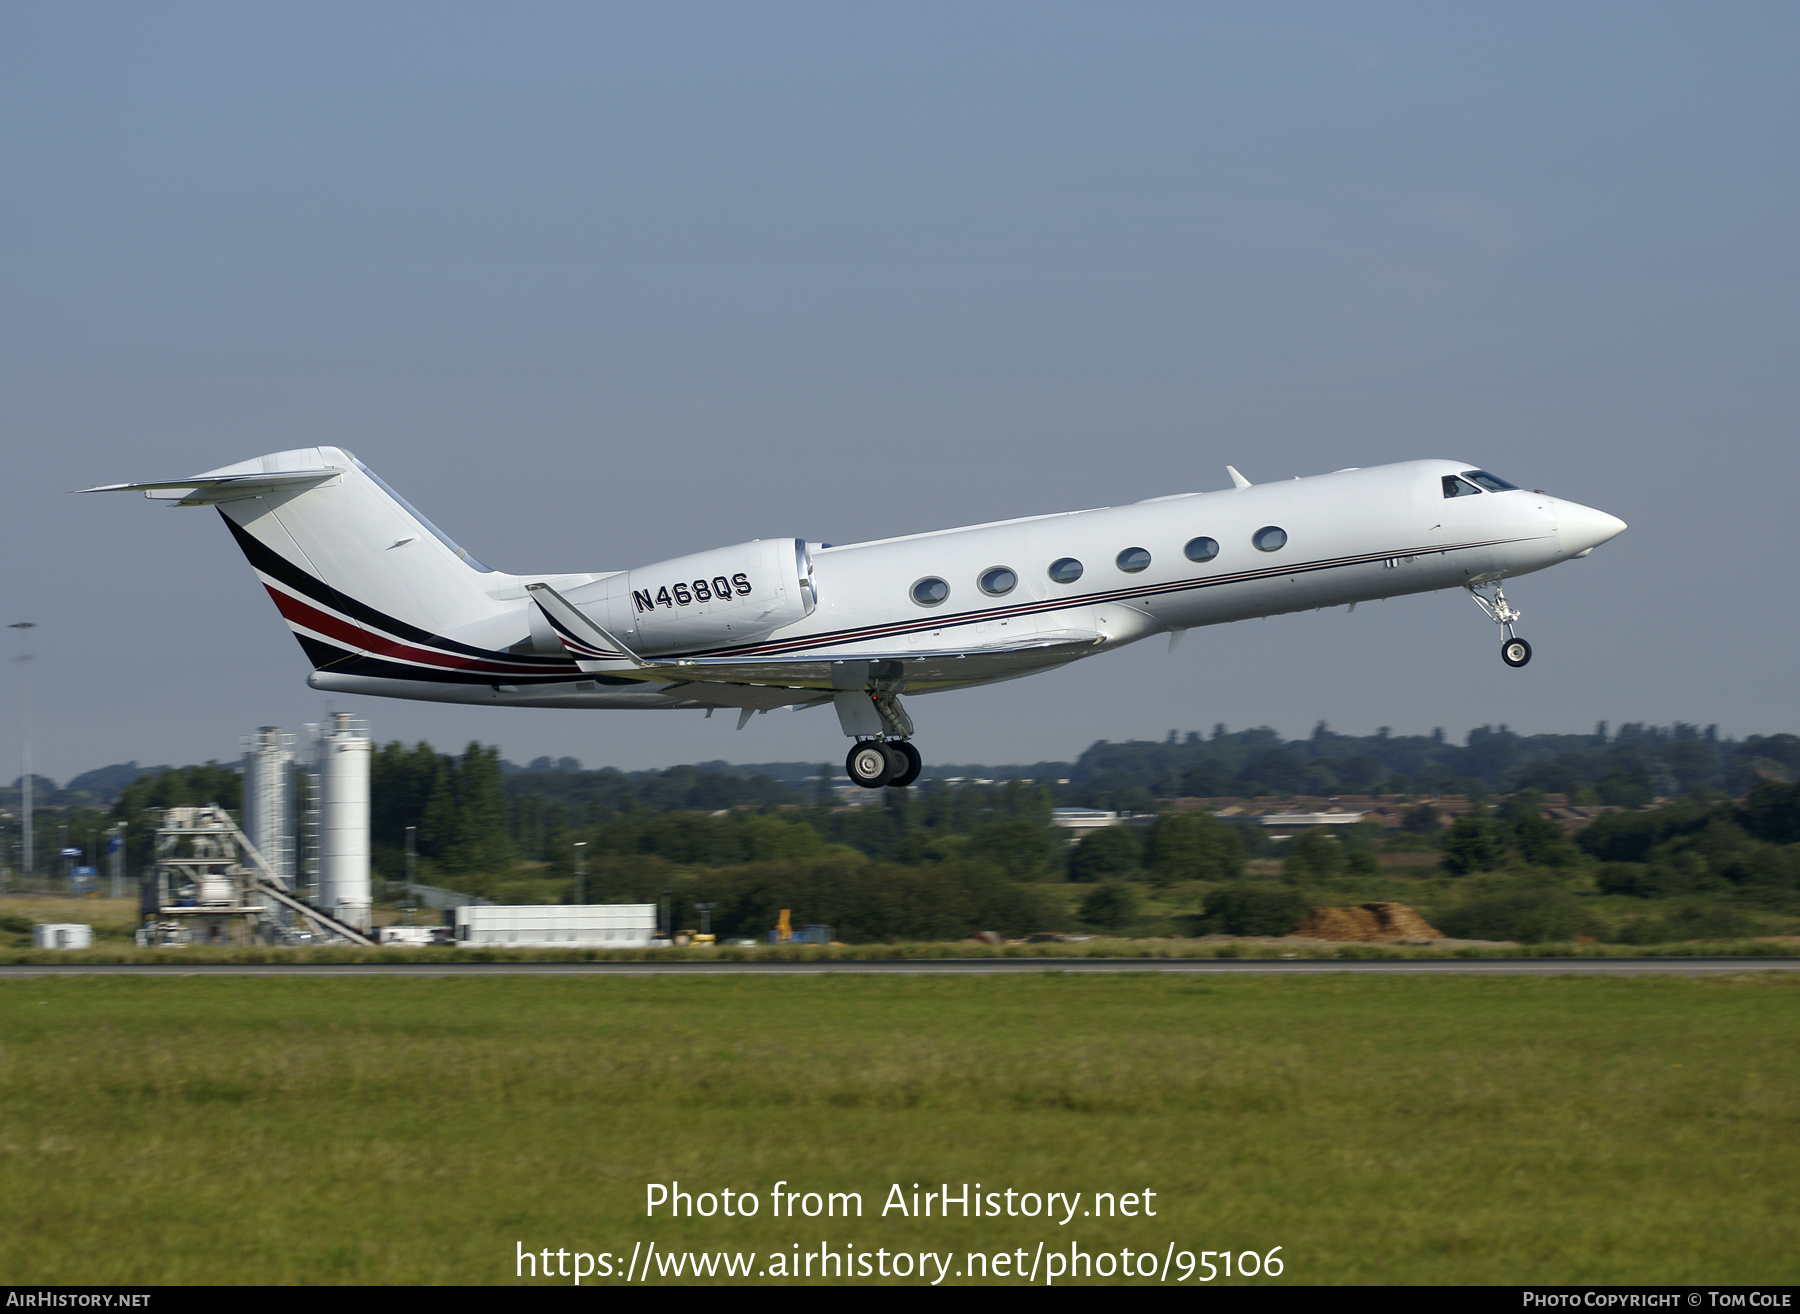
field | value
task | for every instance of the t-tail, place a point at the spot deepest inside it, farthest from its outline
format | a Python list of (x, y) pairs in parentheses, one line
[(370, 587)]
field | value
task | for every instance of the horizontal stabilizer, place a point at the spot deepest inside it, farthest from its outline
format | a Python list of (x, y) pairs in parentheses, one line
[(199, 490)]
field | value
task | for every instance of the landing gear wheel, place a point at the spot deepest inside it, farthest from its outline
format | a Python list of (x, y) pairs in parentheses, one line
[(908, 763), (868, 764), (1515, 652)]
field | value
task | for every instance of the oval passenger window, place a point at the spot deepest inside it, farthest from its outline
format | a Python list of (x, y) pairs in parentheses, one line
[(1201, 549), (1132, 560), (930, 591), (997, 581), (1065, 570), (1269, 538)]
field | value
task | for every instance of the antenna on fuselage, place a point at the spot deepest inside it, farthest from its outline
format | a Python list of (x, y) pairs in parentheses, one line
[(1237, 480)]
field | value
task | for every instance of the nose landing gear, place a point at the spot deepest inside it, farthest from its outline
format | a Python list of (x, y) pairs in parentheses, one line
[(1491, 598), (873, 763)]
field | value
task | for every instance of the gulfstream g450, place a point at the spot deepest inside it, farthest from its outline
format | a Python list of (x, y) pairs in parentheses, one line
[(385, 603)]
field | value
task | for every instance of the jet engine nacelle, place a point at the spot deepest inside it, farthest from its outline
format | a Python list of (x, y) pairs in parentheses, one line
[(728, 596)]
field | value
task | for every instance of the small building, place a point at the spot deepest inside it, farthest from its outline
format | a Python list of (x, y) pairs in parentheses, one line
[(62, 935), (1285, 825), (558, 925), (1079, 821)]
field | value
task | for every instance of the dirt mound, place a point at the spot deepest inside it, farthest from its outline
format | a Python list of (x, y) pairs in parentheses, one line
[(1367, 922)]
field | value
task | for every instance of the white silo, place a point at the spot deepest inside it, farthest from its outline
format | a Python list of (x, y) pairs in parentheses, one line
[(344, 753), (268, 816)]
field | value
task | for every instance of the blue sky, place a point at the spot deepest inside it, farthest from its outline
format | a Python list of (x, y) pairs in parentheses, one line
[(595, 285)]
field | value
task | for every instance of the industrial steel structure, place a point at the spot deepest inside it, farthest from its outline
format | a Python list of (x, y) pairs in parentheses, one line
[(268, 804), (209, 885)]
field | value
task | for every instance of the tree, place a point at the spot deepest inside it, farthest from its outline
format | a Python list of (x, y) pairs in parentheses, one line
[(1530, 917), (1193, 846), (1472, 844), (1541, 841), (1020, 848), (184, 787), (400, 785), (1104, 853), (1772, 812), (1112, 906), (1312, 855), (1253, 910), (465, 822), (1627, 788), (1420, 820), (437, 819)]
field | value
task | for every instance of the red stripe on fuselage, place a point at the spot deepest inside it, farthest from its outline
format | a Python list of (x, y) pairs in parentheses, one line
[(376, 644)]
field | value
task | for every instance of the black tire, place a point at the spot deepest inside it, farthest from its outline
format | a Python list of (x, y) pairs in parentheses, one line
[(1515, 652), (868, 764), (911, 766)]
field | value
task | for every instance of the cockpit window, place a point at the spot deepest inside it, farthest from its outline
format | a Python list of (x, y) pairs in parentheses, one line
[(1493, 483), (1454, 487)]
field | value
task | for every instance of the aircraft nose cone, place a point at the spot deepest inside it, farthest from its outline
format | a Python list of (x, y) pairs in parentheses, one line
[(1582, 528)]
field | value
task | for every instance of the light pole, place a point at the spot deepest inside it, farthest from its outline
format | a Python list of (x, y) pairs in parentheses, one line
[(580, 871), (27, 859), (115, 852)]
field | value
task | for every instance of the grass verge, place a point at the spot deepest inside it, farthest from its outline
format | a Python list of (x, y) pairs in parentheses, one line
[(417, 1130)]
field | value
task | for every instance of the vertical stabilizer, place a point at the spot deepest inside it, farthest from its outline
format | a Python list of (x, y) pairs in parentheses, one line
[(368, 585)]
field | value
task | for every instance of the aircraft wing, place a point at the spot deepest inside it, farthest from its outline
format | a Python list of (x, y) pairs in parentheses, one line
[(598, 651)]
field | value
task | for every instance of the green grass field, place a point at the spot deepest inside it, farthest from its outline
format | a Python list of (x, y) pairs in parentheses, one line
[(1455, 1130)]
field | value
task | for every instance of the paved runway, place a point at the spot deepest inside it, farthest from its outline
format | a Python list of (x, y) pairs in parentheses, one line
[(963, 967)]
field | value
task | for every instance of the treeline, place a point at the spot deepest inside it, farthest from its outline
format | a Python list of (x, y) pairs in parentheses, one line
[(930, 862), (1691, 846), (937, 861), (1698, 868), (1626, 769)]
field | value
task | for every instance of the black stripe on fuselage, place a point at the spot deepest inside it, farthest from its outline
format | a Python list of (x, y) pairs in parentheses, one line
[(271, 563), (341, 661)]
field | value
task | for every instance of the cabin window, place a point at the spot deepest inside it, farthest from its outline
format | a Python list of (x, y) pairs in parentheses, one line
[(1132, 560), (997, 581), (1065, 570), (930, 591), (1201, 549), (1493, 483), (1270, 538), (1454, 487)]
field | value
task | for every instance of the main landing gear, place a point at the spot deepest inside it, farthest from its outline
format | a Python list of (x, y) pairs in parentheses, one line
[(1491, 598), (875, 762), (867, 695)]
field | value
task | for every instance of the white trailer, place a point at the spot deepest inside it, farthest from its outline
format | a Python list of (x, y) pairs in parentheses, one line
[(62, 935), (558, 925)]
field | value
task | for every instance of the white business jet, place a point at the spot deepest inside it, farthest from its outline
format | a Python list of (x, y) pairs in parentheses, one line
[(385, 603)]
